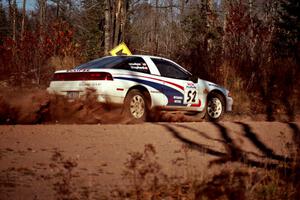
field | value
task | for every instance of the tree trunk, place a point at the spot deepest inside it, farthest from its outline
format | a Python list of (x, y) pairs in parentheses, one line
[(10, 12), (117, 22), (209, 20), (123, 20), (156, 27), (182, 6), (112, 11), (42, 14), (23, 19), (107, 27), (225, 13), (252, 39), (57, 8), (14, 20), (42, 10)]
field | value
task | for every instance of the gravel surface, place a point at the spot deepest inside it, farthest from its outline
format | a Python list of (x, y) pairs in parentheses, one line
[(90, 159)]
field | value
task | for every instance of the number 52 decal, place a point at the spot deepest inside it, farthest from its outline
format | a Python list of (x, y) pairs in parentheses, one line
[(191, 96)]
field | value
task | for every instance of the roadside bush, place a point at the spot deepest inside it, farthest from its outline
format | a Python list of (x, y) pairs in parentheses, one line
[(147, 180)]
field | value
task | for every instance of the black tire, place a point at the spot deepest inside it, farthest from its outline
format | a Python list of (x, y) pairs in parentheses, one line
[(215, 107), (135, 106)]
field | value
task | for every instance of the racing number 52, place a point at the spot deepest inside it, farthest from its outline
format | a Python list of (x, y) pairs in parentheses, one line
[(191, 96)]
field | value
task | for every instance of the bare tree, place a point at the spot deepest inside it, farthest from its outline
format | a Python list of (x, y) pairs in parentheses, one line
[(115, 20), (42, 14)]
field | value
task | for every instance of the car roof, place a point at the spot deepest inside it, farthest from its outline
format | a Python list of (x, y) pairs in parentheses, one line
[(150, 56), (139, 55)]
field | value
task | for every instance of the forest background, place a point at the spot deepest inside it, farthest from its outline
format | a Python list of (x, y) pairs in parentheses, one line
[(251, 47)]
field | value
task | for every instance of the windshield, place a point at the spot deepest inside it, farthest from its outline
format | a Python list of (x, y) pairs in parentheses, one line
[(102, 63)]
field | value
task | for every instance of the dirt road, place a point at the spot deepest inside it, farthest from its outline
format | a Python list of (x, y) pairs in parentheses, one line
[(37, 160)]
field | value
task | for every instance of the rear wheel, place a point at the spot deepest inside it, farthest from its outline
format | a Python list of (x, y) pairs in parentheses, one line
[(215, 107), (135, 106)]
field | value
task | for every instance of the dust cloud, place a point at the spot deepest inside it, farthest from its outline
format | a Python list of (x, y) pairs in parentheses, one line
[(37, 106)]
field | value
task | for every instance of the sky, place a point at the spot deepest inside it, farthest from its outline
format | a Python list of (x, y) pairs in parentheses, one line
[(30, 4)]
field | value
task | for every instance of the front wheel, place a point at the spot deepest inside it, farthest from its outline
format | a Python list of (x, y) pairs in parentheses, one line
[(215, 107), (135, 106)]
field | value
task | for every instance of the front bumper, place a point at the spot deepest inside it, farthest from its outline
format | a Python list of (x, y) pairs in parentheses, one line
[(229, 103)]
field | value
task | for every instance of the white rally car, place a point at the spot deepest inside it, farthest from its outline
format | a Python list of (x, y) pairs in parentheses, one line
[(141, 83)]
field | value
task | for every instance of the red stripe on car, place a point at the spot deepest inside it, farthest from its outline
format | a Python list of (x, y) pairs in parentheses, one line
[(197, 105)]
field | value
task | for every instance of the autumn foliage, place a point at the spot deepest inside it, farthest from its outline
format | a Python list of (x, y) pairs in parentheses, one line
[(27, 58), (249, 46)]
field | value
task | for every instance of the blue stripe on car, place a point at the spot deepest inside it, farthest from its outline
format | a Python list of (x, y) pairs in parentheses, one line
[(168, 91)]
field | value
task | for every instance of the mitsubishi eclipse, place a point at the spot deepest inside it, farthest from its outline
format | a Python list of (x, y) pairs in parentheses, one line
[(141, 83)]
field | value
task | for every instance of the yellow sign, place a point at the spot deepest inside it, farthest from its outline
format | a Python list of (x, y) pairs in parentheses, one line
[(121, 49)]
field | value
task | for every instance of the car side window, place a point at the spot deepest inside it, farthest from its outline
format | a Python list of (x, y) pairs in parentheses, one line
[(136, 64), (170, 70)]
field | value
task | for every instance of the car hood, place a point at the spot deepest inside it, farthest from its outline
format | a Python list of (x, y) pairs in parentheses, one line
[(212, 86)]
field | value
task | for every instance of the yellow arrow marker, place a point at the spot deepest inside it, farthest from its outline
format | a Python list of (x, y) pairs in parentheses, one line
[(121, 49)]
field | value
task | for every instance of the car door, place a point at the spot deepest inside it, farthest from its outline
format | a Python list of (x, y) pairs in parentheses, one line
[(179, 90)]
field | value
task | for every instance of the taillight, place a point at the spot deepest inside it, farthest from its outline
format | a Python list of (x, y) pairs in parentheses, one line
[(82, 76)]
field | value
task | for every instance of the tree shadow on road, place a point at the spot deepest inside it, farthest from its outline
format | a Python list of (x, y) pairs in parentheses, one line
[(248, 132), (202, 134), (296, 168), (193, 145), (233, 153)]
